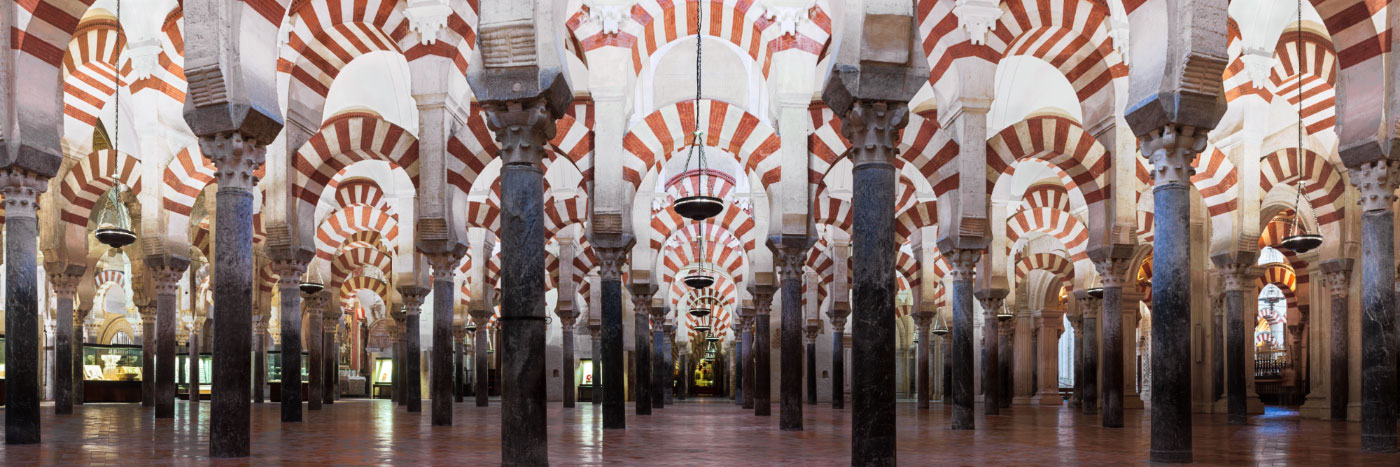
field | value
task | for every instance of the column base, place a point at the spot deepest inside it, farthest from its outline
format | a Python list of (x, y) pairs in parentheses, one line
[(1047, 398), (1022, 400), (1316, 406), (1132, 401)]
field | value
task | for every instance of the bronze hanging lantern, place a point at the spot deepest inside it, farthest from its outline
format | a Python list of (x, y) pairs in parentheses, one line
[(939, 328), (700, 206), (1096, 292), (114, 228), (700, 311), (309, 285), (702, 328), (1005, 314), (1299, 239)]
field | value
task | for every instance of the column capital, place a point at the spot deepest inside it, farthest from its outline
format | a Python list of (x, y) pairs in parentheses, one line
[(289, 273), (1089, 306), (612, 250), (147, 312), (992, 300), (1338, 275), (641, 296), (522, 128), (1112, 262), (1007, 327), (65, 285), (567, 317), (444, 264), (236, 159), (594, 330), (762, 297), (962, 264), (259, 327), (1171, 149), (669, 330), (1376, 181), (166, 276), (1238, 276), (21, 190), (791, 253), (811, 331), (871, 126)]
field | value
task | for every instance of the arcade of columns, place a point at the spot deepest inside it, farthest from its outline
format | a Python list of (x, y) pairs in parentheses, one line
[(922, 199)]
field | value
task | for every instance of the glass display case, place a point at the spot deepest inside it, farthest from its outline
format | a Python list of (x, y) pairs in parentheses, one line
[(182, 373), (274, 367), (2, 357), (383, 371), (111, 362)]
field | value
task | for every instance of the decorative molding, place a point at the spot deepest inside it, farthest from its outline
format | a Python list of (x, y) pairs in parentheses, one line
[(1171, 150), (787, 18), (962, 264), (610, 17), (145, 57), (236, 158), (21, 190), (1376, 181), (427, 18), (977, 18), (872, 128)]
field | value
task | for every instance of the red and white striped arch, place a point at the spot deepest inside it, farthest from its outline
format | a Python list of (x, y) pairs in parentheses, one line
[(1052, 263), (727, 126), (833, 211), (907, 266), (695, 182), (362, 282), (169, 76), (1045, 195), (1236, 82), (1058, 141), (1361, 35), (185, 176), (344, 140), (735, 219), (722, 250), (360, 192), (347, 221), (1216, 180), (474, 145), (1053, 222), (909, 221), (1319, 80), (326, 35), (115, 276), (348, 261), (560, 213), (825, 144), (655, 23), (367, 239), (91, 178), (929, 150), (1323, 185), (1070, 35), (722, 293), (89, 72)]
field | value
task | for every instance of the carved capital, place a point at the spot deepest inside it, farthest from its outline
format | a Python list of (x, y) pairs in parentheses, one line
[(148, 314), (166, 279), (762, 298), (872, 128), (791, 259), (522, 129), (236, 159), (810, 333), (977, 18), (610, 261), (288, 274), (1238, 276), (1376, 181), (1171, 150), (412, 298), (787, 18), (443, 265), (1089, 306), (1113, 271), (426, 18), (962, 263), (65, 285), (145, 57), (610, 18), (21, 190), (1006, 328), (1338, 282)]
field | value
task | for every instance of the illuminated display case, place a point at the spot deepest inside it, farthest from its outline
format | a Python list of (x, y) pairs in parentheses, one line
[(111, 362), (274, 367), (2, 357), (382, 378), (583, 374), (182, 373)]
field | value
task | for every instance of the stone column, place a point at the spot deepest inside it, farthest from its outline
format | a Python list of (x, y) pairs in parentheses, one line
[(1377, 182), (1217, 345), (658, 357), (481, 366), (330, 348), (259, 357), (992, 300), (1005, 330), (315, 372), (289, 274), (922, 321), (1239, 320), (1076, 320), (444, 265), (459, 371), (595, 330), (669, 363), (1047, 358), (148, 353), (65, 285), (964, 267), (1338, 275), (21, 191), (641, 354), (1089, 307), (790, 251), (194, 375), (1171, 148), (166, 277), (612, 253), (837, 315), (686, 373), (395, 329), (746, 316), (1112, 263), (809, 334), (567, 320), (412, 371), (762, 351)]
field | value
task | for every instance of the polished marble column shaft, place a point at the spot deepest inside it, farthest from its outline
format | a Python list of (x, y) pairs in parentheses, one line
[(992, 301), (413, 355), (1089, 397), (809, 334), (329, 357), (481, 366), (838, 358), (444, 265), (964, 267), (921, 323), (193, 389), (21, 192), (790, 252), (612, 253), (315, 373), (1377, 183), (747, 361), (762, 354), (641, 358), (148, 354), (1237, 349), (1338, 275), (595, 333), (259, 358), (289, 274), (65, 287), (658, 359), (566, 327), (166, 278)]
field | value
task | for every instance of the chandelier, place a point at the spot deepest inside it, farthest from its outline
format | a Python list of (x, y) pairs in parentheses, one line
[(114, 227), (701, 205), (700, 277), (1299, 240), (700, 311)]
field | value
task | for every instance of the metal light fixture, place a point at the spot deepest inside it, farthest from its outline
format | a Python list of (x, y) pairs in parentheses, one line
[(1096, 292), (114, 228), (1005, 313), (699, 206), (699, 278), (939, 328), (309, 285), (700, 311), (702, 328), (1299, 239), (711, 338)]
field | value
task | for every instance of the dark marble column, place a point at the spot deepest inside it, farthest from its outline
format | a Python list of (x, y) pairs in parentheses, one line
[(1217, 360), (1377, 181), (315, 372), (1112, 263), (809, 334), (746, 359), (1089, 309), (330, 348), (669, 363), (413, 360), (444, 265), (259, 357), (838, 315), (481, 366), (790, 252), (992, 300), (871, 126), (522, 128), (922, 321), (686, 374), (658, 357), (1171, 149), (165, 275), (594, 333), (947, 343), (193, 369), (397, 360), (567, 320), (1005, 330), (65, 285), (612, 253), (964, 268), (148, 353), (21, 191), (1239, 318), (289, 306), (762, 351), (1338, 274), (459, 370), (641, 353), (1076, 398), (79, 338)]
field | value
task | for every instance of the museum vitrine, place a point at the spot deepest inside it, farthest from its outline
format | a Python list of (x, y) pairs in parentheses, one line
[(206, 373), (274, 367), (382, 378), (112, 373)]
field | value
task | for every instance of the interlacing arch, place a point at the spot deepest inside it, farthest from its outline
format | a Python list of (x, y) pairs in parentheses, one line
[(1319, 78), (1323, 187), (360, 192), (832, 211), (1052, 263), (91, 178), (726, 126), (1070, 35), (362, 282), (655, 23), (89, 71), (347, 221), (351, 260), (1058, 141), (1053, 222), (345, 140)]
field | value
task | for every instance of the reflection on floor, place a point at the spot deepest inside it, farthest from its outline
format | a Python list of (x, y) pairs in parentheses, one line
[(709, 432)]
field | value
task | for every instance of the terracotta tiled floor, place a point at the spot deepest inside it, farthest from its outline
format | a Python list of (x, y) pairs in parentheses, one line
[(362, 432)]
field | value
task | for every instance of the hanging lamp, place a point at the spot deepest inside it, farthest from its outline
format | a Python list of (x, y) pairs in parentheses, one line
[(939, 328), (702, 205), (1299, 240), (309, 284), (114, 227), (1005, 314), (1095, 292), (700, 311), (700, 277)]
